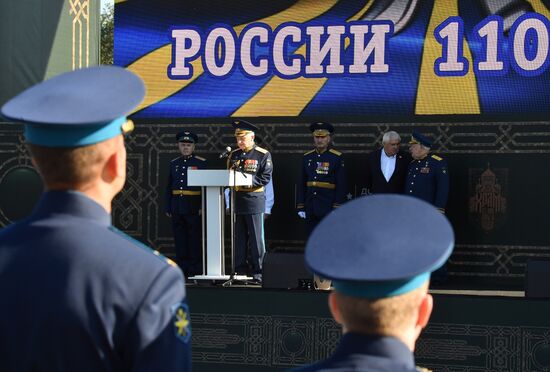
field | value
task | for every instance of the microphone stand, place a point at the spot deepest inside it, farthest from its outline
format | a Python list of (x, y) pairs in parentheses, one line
[(233, 276)]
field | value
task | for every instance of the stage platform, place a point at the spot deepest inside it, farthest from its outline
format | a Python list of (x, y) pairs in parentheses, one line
[(249, 328)]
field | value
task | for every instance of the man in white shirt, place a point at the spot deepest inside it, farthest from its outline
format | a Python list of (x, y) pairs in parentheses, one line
[(386, 168)]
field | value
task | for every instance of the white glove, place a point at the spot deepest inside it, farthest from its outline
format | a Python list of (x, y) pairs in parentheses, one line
[(302, 214)]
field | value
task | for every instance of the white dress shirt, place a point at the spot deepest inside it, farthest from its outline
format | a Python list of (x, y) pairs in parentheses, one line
[(387, 165)]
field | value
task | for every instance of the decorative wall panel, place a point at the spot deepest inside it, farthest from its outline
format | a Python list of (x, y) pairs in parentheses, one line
[(497, 202)]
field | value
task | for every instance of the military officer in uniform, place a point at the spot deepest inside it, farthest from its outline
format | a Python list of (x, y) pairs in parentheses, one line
[(380, 278), (183, 205), (254, 161), (323, 184), (428, 176), (78, 294)]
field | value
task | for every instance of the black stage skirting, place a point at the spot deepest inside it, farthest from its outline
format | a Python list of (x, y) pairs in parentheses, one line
[(255, 329)]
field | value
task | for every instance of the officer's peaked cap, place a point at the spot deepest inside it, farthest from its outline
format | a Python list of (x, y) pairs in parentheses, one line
[(243, 127), (321, 129), (77, 108), (187, 137), (418, 137), (380, 246)]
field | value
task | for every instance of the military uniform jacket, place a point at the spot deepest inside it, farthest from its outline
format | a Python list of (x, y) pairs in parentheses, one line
[(257, 163), (428, 179), (323, 184), (358, 352), (180, 198), (79, 295)]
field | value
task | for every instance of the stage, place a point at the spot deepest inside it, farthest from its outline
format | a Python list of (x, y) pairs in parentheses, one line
[(249, 328)]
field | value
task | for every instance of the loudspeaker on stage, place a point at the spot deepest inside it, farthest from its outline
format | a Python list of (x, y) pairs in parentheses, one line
[(286, 270)]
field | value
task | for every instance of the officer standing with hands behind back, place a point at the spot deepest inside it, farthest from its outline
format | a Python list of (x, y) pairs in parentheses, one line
[(183, 204), (323, 184), (78, 294)]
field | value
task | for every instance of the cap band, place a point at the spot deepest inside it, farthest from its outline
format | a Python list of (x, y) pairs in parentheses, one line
[(72, 136), (242, 132), (380, 289), (321, 132)]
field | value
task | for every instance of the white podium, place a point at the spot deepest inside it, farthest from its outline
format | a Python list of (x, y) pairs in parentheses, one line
[(214, 181)]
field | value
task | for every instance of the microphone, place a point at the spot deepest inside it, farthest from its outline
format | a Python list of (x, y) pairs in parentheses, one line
[(225, 153)]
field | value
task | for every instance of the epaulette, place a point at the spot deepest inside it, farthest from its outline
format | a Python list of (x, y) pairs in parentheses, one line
[(165, 259), (437, 157), (336, 152), (143, 246), (422, 369), (200, 158), (179, 157), (260, 149), (309, 152)]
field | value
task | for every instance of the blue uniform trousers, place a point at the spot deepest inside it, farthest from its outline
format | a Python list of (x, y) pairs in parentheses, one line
[(187, 238), (249, 232), (312, 221)]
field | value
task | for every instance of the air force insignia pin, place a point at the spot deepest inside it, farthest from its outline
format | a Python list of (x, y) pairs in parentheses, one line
[(182, 322)]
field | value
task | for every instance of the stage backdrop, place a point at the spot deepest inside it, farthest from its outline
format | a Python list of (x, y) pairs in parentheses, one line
[(367, 60), (498, 153), (473, 75), (41, 39)]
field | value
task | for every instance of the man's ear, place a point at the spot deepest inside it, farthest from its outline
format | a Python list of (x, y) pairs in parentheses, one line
[(335, 308), (115, 166), (110, 169), (424, 311)]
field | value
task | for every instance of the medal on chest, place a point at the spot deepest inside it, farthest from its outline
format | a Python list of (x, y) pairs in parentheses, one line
[(322, 167), (250, 165), (425, 169)]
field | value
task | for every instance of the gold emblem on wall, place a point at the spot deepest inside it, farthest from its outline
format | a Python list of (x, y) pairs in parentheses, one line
[(80, 11), (488, 201)]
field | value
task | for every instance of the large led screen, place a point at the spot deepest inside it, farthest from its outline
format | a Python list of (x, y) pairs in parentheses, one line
[(369, 60)]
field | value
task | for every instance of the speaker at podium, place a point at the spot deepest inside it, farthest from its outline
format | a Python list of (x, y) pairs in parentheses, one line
[(286, 270)]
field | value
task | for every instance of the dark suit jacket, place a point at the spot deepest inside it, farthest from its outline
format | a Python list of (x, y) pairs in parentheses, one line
[(375, 181)]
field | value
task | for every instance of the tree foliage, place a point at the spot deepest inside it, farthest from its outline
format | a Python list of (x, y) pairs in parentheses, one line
[(107, 34)]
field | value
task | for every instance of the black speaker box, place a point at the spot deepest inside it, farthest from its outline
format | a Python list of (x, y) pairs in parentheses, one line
[(537, 279), (286, 270)]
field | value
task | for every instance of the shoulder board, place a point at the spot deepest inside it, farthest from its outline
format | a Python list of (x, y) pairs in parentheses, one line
[(336, 152), (309, 152), (200, 158), (178, 158), (437, 157), (143, 246), (261, 149)]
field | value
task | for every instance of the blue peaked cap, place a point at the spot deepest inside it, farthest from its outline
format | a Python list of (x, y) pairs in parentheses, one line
[(243, 125), (380, 246), (418, 137), (77, 108), (321, 129), (186, 136)]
